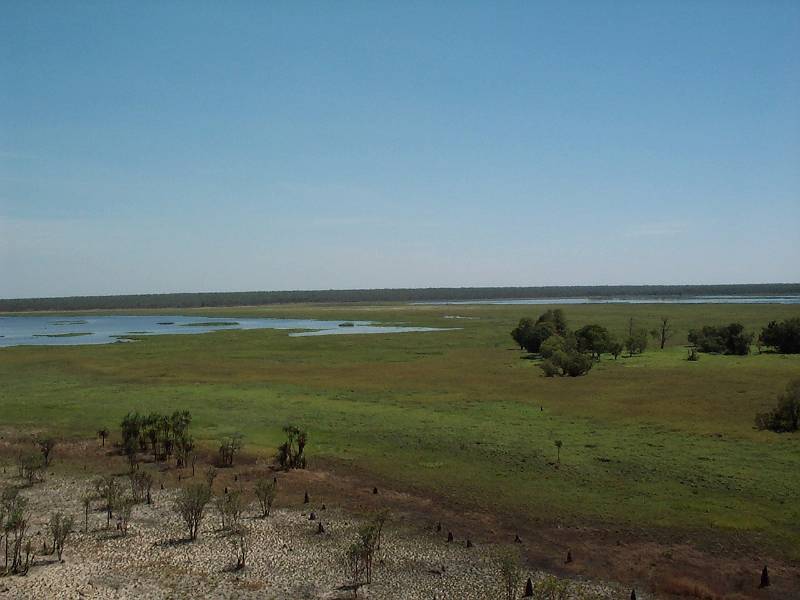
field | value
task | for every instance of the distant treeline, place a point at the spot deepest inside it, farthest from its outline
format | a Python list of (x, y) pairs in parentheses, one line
[(216, 299)]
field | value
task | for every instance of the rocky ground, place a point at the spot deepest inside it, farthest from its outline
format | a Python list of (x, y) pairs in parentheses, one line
[(288, 558)]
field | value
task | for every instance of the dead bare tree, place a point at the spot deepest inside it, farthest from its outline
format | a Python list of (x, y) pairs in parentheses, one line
[(663, 332)]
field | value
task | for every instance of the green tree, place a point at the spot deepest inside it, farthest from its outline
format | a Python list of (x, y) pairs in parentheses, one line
[(783, 336), (636, 342), (594, 339)]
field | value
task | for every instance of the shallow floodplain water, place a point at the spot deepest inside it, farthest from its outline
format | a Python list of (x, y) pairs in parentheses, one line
[(54, 330)]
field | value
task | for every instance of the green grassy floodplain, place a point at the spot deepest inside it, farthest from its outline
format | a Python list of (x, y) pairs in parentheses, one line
[(652, 442)]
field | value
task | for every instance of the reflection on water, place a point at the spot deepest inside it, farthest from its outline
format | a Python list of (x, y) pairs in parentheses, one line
[(59, 331)]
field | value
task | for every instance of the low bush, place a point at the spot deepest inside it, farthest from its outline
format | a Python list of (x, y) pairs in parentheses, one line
[(785, 417)]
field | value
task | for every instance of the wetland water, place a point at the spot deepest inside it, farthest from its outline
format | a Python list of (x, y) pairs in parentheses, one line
[(53, 330)]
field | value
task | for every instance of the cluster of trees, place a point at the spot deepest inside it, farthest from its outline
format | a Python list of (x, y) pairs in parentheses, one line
[(722, 339), (783, 336), (785, 417), (167, 436), (572, 353), (291, 454)]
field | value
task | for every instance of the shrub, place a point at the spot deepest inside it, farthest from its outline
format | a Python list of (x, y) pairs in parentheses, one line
[(785, 417), (60, 527), (110, 490), (726, 339), (550, 587), (353, 565), (141, 486), (15, 527), (86, 501), (191, 505), (550, 369), (570, 363), (265, 490), (228, 448), (783, 336), (30, 467), (240, 541), (230, 507), (124, 508), (507, 566), (636, 343), (46, 446), (211, 475)]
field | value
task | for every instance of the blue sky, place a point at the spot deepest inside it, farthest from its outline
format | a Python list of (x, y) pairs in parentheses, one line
[(188, 146)]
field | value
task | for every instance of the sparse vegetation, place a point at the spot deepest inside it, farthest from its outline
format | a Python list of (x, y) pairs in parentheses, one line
[(60, 529), (509, 573), (265, 491), (229, 447), (46, 445), (110, 490), (191, 504), (230, 507), (240, 541)]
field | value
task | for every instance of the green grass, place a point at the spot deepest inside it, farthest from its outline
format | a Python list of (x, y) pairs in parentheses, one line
[(652, 442)]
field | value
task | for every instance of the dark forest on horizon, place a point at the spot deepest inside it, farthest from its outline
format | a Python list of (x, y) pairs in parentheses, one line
[(223, 299)]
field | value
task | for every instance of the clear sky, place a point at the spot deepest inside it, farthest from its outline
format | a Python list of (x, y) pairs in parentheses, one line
[(188, 146)]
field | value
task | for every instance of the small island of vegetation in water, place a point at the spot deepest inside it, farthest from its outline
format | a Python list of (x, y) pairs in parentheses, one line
[(347, 324), (62, 335), (211, 324)]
